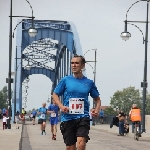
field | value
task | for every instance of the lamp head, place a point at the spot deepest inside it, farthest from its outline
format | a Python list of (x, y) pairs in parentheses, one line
[(32, 32), (28, 67), (27, 86), (125, 35)]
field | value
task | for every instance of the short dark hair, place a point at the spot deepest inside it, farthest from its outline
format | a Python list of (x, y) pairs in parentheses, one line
[(82, 58)]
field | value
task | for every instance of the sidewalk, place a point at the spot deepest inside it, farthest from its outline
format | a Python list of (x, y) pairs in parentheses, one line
[(115, 130), (10, 138)]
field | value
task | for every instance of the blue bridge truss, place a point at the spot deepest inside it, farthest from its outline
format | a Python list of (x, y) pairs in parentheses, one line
[(55, 43)]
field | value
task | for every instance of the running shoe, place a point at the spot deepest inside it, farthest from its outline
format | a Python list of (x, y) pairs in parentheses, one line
[(54, 137)]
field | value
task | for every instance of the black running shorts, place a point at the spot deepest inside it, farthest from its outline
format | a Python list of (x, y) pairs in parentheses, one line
[(75, 128), (33, 117)]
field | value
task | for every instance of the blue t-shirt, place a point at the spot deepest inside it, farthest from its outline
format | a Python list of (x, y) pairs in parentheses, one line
[(34, 113), (71, 87), (101, 113), (4, 111), (54, 108), (43, 112)]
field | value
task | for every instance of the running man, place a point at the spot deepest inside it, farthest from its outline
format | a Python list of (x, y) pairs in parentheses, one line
[(53, 109), (75, 118), (101, 114), (33, 116), (17, 119), (42, 116)]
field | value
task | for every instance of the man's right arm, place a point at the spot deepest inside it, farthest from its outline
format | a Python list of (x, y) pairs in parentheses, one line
[(64, 109), (57, 101)]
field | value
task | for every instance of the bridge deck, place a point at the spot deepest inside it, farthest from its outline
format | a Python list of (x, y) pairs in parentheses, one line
[(101, 137)]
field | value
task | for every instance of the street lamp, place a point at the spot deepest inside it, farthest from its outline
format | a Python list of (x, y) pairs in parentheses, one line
[(26, 87), (94, 72), (27, 79), (125, 36), (9, 80), (28, 67), (32, 32), (15, 85)]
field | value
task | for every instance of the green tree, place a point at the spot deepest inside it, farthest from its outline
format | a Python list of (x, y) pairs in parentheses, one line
[(3, 97), (123, 100), (110, 111), (147, 110)]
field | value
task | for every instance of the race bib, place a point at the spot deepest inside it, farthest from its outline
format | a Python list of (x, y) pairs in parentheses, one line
[(42, 116), (53, 114), (76, 106)]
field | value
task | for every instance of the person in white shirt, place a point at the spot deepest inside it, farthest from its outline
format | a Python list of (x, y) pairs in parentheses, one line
[(4, 121)]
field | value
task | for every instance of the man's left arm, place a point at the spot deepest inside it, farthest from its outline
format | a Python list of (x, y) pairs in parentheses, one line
[(98, 104)]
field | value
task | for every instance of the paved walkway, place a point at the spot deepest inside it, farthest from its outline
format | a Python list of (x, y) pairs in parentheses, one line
[(10, 138), (33, 140), (115, 129)]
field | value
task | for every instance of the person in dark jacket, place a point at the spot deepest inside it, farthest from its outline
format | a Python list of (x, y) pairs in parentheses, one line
[(121, 117), (115, 122)]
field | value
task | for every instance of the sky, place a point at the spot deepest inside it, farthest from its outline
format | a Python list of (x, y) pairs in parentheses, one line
[(99, 23)]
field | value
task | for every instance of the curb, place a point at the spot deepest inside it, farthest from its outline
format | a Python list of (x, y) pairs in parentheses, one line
[(24, 143), (20, 142)]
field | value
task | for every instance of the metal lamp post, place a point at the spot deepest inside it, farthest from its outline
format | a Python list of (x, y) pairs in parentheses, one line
[(94, 103), (27, 80), (9, 80), (125, 36)]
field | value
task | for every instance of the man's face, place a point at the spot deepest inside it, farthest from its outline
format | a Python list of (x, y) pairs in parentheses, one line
[(44, 104), (76, 65)]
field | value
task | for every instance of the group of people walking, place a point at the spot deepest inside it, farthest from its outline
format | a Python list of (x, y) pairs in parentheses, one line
[(134, 117), (53, 111), (20, 117), (4, 117)]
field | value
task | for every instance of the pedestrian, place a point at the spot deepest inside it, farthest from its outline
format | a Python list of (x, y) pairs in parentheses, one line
[(33, 116), (22, 118), (23, 113), (75, 118), (17, 119), (4, 111), (53, 109), (101, 114), (42, 118), (121, 117), (126, 128), (4, 121), (135, 117)]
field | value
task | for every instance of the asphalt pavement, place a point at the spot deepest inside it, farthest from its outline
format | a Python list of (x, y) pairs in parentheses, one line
[(102, 137)]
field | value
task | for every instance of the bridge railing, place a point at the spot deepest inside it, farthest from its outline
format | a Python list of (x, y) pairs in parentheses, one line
[(107, 119)]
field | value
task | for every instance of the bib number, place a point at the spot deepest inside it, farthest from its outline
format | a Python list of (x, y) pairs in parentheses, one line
[(76, 106), (53, 114), (42, 116)]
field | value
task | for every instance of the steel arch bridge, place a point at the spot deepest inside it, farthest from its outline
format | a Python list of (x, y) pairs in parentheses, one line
[(55, 43)]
